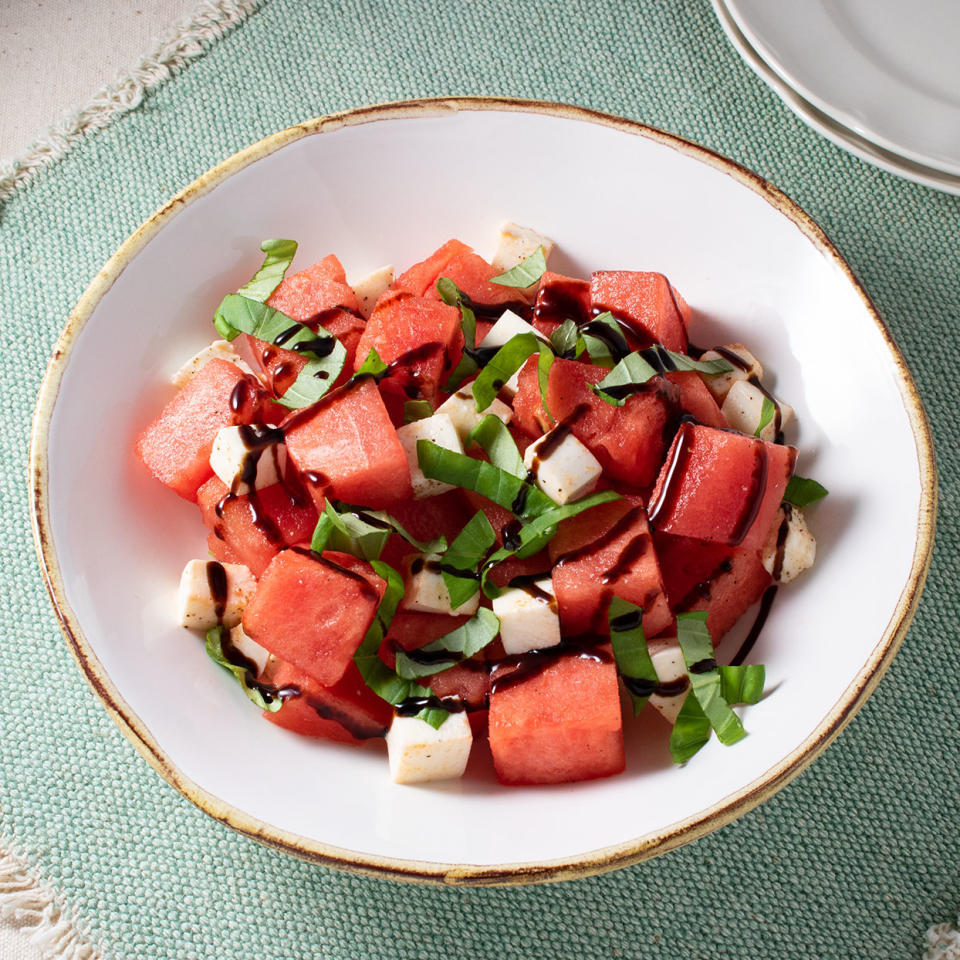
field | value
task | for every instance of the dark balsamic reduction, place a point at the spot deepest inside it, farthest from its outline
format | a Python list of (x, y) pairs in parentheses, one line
[(670, 490), (366, 590), (357, 727), (413, 705), (493, 311), (632, 552), (561, 300), (321, 346), (241, 395), (641, 687), (219, 590), (611, 338), (523, 666), (284, 335), (330, 313), (510, 535), (782, 532), (617, 530), (529, 584), (438, 566), (703, 666), (766, 602), (703, 589), (758, 486)]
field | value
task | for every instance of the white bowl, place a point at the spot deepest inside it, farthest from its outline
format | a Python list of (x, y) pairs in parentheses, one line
[(389, 184)]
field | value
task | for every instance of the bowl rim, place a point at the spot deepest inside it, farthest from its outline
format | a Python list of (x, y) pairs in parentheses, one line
[(581, 865)]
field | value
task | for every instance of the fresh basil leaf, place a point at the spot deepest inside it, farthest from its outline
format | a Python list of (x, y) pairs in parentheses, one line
[(630, 651), (325, 354), (705, 683), (511, 492), (710, 367), (624, 380), (373, 366), (742, 683), (463, 642), (322, 532), (280, 254), (690, 732), (802, 491), (383, 681), (524, 274), (492, 434), (452, 296), (214, 648), (604, 340), (362, 532), (566, 341), (416, 410), (385, 520), (464, 555), (767, 410), (503, 365), (464, 370), (535, 535), (544, 363)]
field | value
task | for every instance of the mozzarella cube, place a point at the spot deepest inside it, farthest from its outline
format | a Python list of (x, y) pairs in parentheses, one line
[(440, 429), (516, 243), (506, 328), (419, 753), (668, 661), (426, 592), (220, 349), (249, 648), (567, 471), (461, 408), (204, 587), (248, 457), (720, 383), (743, 408), (370, 288), (790, 547), (529, 618)]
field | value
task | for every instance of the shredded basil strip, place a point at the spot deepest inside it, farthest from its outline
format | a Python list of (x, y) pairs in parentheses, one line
[(280, 254), (416, 410), (362, 532), (705, 682), (463, 642), (214, 647), (630, 651), (742, 683), (503, 365), (767, 410), (690, 732), (464, 555), (452, 296), (373, 366), (635, 369), (384, 682), (524, 274), (802, 491), (599, 348), (510, 492), (566, 341), (492, 434), (325, 354), (534, 536)]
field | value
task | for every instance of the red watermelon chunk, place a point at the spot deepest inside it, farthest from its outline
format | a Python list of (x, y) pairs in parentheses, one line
[(347, 712), (472, 274), (422, 277), (219, 550), (604, 552), (420, 336), (411, 630), (560, 298), (346, 447), (175, 448), (724, 581), (313, 611), (646, 302), (720, 486), (257, 526), (559, 724), (696, 399)]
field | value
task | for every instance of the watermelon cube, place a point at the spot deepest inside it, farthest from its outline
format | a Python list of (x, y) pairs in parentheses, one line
[(422, 277), (720, 486), (472, 274), (347, 712), (645, 302), (696, 399), (346, 447), (560, 298), (556, 720), (313, 610), (175, 448)]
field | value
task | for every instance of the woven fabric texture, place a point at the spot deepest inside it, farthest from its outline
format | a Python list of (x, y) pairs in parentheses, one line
[(856, 858)]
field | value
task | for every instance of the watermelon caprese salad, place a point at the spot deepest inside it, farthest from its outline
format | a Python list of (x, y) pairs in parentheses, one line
[(480, 501)]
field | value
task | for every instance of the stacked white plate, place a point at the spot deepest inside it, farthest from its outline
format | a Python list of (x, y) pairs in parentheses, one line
[(880, 78)]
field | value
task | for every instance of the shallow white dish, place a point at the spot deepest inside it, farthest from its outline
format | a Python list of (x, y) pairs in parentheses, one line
[(835, 132), (888, 71), (389, 184)]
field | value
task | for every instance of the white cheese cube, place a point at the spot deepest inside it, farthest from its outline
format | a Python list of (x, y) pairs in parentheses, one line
[(426, 592), (516, 243), (206, 586), (668, 661), (461, 408), (720, 383), (220, 349), (790, 547), (370, 288), (529, 619), (743, 407), (249, 648), (248, 457), (419, 753), (506, 328), (564, 470), (440, 429)]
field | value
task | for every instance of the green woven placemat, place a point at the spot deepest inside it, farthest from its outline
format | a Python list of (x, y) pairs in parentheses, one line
[(856, 858)]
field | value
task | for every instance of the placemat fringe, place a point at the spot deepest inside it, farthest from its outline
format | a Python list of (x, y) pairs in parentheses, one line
[(31, 906), (183, 42)]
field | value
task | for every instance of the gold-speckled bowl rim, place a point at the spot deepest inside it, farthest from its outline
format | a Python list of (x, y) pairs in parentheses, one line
[(581, 865)]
